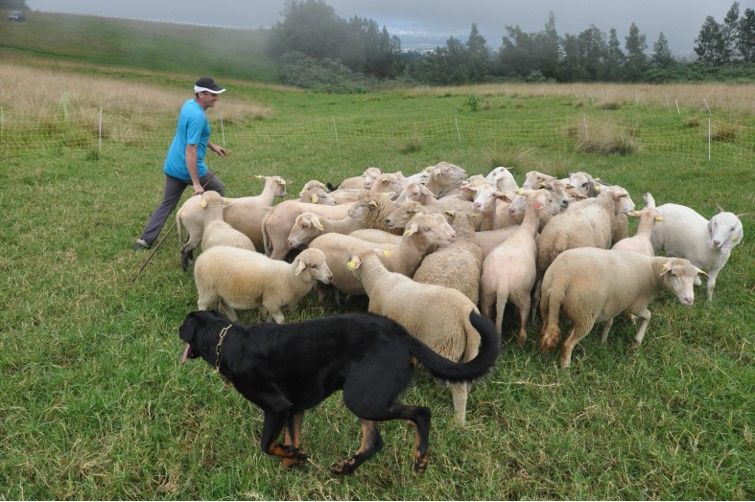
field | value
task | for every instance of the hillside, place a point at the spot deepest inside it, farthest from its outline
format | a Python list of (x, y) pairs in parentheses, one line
[(140, 44)]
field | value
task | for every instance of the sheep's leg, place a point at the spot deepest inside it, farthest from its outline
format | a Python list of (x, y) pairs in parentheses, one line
[(206, 299), (276, 314), (578, 332), (500, 307), (459, 391), (523, 305), (228, 311), (645, 316), (710, 283), (606, 329), (536, 301), (487, 298)]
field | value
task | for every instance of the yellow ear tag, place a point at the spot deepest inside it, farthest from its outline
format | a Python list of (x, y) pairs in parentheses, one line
[(283, 182), (659, 218), (386, 252), (203, 203), (597, 188), (258, 176), (351, 265), (542, 185), (519, 191), (314, 199)]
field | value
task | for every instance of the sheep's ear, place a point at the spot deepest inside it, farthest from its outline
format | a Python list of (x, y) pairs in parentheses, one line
[(741, 215), (300, 267), (283, 182), (258, 176), (410, 230), (701, 272), (372, 203), (542, 184), (659, 218), (665, 269), (636, 214), (313, 198), (570, 186), (353, 263), (383, 252), (579, 195), (450, 213), (503, 196), (597, 187), (720, 209), (203, 203), (318, 225)]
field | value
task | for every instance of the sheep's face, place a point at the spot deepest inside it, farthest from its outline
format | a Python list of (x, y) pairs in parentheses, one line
[(447, 174), (580, 183), (412, 191), (317, 195), (306, 227), (622, 201), (534, 180), (422, 178), (369, 175), (430, 230), (278, 183), (400, 216), (386, 183), (484, 200), (679, 277), (724, 231), (546, 203), (311, 262), (502, 179), (558, 188)]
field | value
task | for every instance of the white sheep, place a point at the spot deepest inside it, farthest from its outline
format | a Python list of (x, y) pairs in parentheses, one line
[(216, 231), (241, 279), (424, 233), (458, 264), (502, 179), (363, 181), (245, 214), (640, 241), (307, 226), (444, 178), (589, 285), (315, 192), (535, 180), (509, 271), (277, 224), (436, 315), (708, 244)]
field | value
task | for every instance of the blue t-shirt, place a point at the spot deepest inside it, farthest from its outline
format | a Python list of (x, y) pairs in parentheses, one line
[(192, 128)]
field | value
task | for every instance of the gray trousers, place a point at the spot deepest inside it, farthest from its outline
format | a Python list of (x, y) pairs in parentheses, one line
[(173, 190)]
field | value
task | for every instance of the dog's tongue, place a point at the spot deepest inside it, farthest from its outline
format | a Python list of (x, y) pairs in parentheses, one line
[(186, 354)]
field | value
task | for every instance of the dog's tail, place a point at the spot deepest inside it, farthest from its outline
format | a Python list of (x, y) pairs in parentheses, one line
[(440, 367)]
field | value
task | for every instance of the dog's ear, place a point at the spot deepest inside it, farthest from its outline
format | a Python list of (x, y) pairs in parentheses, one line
[(188, 327)]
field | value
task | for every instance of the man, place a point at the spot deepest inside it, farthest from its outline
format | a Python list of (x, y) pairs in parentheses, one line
[(184, 164)]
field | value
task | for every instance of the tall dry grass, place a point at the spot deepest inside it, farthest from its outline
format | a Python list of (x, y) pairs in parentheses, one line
[(732, 98), (38, 96)]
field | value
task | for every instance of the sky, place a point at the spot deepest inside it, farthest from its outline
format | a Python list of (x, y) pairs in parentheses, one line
[(423, 23)]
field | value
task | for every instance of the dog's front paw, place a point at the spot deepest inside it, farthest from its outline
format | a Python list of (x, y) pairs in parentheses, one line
[(420, 463), (289, 463), (296, 454), (344, 467)]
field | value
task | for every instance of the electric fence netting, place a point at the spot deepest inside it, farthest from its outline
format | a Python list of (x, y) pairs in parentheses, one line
[(686, 137)]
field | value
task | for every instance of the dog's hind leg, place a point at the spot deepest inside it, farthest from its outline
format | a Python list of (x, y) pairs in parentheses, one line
[(371, 444)]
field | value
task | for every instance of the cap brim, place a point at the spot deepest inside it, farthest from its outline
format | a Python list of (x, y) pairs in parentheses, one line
[(205, 89)]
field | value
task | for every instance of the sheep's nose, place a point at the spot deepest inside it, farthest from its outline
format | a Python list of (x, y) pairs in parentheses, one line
[(717, 243), (688, 300), (477, 206), (564, 203)]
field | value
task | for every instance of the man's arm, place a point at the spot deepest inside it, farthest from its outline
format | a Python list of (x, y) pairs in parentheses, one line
[(191, 166), (217, 149)]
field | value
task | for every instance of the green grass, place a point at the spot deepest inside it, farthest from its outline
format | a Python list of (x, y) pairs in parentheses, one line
[(140, 44), (94, 404)]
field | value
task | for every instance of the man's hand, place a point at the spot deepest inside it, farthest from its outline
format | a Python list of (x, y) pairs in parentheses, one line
[(218, 149), (198, 190)]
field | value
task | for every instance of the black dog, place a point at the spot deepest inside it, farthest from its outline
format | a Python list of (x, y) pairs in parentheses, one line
[(286, 369)]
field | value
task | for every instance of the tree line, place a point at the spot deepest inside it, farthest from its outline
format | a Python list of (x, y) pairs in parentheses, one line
[(315, 47)]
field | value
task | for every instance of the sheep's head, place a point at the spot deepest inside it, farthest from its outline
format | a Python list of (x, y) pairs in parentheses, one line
[(306, 227), (535, 179), (623, 203), (355, 260), (276, 183), (502, 178), (649, 214), (317, 195), (212, 199), (369, 175), (387, 183), (416, 192), (430, 230), (724, 231), (400, 216), (580, 184), (559, 190), (311, 265), (679, 277), (463, 222), (447, 174), (545, 202), (486, 196), (367, 204)]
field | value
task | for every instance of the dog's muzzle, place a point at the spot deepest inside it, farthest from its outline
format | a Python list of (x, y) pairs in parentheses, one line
[(186, 354)]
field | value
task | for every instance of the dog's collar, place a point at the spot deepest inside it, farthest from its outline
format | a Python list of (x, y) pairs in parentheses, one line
[(221, 338)]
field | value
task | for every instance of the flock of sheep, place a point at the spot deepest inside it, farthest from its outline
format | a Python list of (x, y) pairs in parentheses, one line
[(429, 248)]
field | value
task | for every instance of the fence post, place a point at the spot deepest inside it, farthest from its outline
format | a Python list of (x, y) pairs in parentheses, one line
[(584, 121), (335, 130), (458, 133), (222, 129), (677, 106), (636, 97), (99, 139), (2, 123), (709, 128)]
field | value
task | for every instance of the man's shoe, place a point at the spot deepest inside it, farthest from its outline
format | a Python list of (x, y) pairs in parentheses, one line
[(140, 244)]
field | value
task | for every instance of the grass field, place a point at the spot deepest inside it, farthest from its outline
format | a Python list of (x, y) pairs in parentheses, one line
[(94, 404)]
